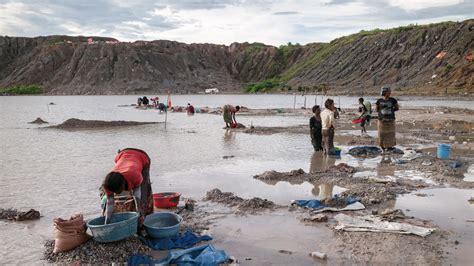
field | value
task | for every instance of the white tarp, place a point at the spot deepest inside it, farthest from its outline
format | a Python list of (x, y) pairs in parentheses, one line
[(351, 207), (375, 224)]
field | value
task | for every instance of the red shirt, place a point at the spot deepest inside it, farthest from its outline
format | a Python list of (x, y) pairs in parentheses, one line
[(130, 164)]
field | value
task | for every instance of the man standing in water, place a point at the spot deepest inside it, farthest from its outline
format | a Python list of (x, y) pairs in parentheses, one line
[(328, 122), (365, 107), (130, 173), (316, 128), (229, 114), (386, 108)]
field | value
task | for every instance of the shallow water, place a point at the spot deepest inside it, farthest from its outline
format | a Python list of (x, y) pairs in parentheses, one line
[(59, 172), (448, 208)]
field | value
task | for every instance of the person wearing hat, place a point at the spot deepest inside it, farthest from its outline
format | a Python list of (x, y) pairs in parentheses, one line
[(386, 108)]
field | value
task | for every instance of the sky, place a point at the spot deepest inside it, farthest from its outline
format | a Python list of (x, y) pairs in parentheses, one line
[(222, 22)]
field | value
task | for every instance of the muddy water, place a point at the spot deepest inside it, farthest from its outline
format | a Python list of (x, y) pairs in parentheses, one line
[(449, 208), (59, 172)]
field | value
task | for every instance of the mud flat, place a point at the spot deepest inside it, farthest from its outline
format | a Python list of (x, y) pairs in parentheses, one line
[(75, 123)]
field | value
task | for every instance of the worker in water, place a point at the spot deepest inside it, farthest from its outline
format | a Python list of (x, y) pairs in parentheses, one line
[(190, 109), (328, 123), (386, 108), (316, 128), (145, 101), (131, 173), (229, 115), (365, 108)]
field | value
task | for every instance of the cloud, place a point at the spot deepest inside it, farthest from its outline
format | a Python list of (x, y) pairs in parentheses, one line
[(411, 5), (284, 13), (222, 22)]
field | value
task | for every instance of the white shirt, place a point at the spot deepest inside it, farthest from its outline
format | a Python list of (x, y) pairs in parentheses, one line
[(327, 119)]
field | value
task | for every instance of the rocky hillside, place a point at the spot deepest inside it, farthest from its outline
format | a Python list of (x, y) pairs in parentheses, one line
[(404, 58)]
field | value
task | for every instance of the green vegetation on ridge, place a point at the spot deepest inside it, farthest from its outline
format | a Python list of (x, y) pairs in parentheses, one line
[(22, 89)]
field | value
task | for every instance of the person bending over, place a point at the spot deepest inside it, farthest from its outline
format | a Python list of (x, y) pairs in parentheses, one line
[(130, 173)]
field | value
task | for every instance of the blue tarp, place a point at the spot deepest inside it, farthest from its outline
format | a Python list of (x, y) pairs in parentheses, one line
[(317, 204), (186, 240), (205, 255)]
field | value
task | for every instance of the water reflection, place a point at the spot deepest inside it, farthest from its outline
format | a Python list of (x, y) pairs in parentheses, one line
[(384, 168), (319, 162), (322, 191)]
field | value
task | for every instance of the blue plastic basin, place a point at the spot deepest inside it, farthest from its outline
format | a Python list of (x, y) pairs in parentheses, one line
[(162, 224), (444, 151), (122, 225)]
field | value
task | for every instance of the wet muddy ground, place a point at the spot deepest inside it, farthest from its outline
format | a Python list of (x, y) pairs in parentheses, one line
[(256, 230)]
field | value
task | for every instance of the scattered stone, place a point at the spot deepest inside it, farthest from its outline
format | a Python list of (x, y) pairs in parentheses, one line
[(248, 258), (319, 255), (318, 218), (282, 251), (471, 200), (189, 204), (421, 194), (456, 242), (228, 156)]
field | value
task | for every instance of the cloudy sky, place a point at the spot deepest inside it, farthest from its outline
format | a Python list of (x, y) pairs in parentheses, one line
[(222, 21)]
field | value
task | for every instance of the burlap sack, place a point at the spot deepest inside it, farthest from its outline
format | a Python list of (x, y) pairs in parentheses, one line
[(69, 233)]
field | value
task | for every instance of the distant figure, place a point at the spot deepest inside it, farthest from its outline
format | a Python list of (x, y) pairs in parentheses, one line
[(386, 108), (316, 129), (190, 109), (139, 102), (229, 114), (365, 108), (145, 101), (155, 101), (162, 107), (328, 122), (130, 173)]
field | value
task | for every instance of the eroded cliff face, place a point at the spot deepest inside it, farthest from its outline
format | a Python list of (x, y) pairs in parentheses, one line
[(405, 59), (361, 62)]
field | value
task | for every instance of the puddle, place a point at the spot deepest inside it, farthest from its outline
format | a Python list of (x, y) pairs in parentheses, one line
[(448, 208), (254, 239), (469, 175)]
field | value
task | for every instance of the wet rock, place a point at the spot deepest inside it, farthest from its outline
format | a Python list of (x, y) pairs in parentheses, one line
[(14, 215), (343, 167), (228, 156), (365, 151), (282, 251), (189, 204), (318, 218), (38, 121)]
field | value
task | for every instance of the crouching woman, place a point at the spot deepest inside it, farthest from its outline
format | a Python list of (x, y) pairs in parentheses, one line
[(131, 173)]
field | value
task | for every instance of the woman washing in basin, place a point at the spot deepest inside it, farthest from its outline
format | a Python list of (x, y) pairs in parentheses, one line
[(130, 173)]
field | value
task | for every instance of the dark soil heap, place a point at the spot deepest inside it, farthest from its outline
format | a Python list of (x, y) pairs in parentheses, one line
[(75, 123), (93, 252), (243, 205)]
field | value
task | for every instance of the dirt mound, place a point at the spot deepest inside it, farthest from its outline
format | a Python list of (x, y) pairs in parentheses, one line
[(38, 121), (93, 252), (75, 123), (272, 177), (243, 205), (14, 215)]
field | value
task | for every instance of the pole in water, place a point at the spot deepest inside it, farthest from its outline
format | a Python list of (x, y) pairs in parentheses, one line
[(166, 115)]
